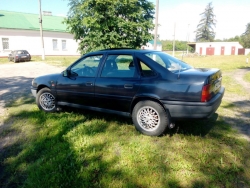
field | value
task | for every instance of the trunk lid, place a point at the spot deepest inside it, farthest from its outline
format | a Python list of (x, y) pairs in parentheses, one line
[(209, 78)]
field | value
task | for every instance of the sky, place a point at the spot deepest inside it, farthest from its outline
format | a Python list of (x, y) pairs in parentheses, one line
[(232, 15)]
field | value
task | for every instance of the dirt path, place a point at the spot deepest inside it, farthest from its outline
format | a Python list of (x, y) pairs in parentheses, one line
[(16, 78), (239, 74), (241, 117)]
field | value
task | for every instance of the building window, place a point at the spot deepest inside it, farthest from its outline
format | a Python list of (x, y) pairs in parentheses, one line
[(5, 42), (64, 45), (55, 44)]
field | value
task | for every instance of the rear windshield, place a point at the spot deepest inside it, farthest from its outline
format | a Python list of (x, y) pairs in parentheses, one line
[(22, 52), (171, 63)]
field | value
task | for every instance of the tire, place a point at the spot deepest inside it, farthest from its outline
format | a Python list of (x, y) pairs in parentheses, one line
[(150, 118), (46, 100)]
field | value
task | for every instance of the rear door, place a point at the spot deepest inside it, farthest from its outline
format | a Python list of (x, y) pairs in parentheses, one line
[(118, 82)]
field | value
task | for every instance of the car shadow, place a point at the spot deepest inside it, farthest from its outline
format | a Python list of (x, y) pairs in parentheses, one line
[(13, 88), (186, 127)]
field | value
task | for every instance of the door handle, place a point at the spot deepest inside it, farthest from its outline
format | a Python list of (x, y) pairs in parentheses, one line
[(89, 84), (128, 86)]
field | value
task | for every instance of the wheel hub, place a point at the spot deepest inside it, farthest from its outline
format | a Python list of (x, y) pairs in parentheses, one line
[(148, 118), (47, 101)]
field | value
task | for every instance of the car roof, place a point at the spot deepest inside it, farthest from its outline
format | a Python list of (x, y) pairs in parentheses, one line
[(129, 50)]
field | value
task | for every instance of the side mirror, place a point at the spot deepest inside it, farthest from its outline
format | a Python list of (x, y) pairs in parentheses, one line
[(66, 73)]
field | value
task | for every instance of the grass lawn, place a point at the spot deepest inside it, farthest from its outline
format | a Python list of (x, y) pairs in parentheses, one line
[(76, 148), (247, 77)]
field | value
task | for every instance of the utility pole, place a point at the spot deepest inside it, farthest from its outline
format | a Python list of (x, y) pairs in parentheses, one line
[(174, 40), (156, 24), (41, 30), (187, 38)]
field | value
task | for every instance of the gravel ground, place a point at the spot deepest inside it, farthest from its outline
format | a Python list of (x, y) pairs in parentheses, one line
[(15, 81), (16, 78)]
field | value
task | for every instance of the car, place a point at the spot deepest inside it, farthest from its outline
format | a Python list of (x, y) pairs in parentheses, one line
[(19, 55), (152, 87)]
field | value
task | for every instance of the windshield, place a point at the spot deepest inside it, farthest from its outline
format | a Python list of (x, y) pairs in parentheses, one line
[(171, 63)]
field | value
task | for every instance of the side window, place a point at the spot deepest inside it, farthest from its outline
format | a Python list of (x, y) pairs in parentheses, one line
[(146, 71), (54, 41), (64, 45), (87, 67), (119, 66), (5, 43)]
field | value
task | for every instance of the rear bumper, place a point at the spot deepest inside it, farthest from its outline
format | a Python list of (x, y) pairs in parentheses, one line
[(197, 110)]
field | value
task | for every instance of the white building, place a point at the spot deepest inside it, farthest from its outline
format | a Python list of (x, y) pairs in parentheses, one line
[(218, 48), (21, 31), (150, 45)]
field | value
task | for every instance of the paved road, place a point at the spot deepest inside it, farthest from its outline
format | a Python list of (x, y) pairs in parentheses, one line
[(16, 78)]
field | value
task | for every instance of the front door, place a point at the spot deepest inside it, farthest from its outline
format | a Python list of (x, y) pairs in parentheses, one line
[(233, 50), (222, 51), (78, 86)]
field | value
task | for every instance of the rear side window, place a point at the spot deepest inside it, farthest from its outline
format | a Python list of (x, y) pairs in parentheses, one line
[(146, 71)]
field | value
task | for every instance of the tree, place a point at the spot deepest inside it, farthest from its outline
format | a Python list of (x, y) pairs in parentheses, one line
[(100, 24), (246, 37), (205, 28), (232, 39)]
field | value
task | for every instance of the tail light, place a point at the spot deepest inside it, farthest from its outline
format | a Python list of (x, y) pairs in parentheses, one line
[(206, 94)]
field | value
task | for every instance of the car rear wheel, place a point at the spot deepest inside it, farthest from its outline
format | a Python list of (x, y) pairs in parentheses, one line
[(150, 118), (46, 100)]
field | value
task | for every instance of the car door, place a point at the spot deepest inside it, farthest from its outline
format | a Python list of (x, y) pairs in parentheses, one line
[(117, 83), (76, 85)]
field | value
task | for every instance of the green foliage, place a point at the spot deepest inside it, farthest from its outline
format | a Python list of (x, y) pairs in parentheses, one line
[(179, 45), (232, 39), (100, 24), (205, 29), (246, 37)]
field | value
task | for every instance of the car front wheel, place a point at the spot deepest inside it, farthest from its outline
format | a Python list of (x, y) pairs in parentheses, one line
[(150, 118), (46, 101)]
